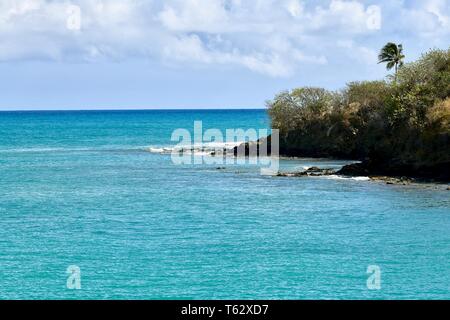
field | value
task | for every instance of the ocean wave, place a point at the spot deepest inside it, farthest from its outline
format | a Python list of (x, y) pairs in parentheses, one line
[(209, 148), (337, 177), (74, 149), (26, 150), (198, 149), (158, 150)]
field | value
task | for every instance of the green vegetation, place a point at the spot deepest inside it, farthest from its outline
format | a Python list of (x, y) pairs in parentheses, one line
[(399, 127)]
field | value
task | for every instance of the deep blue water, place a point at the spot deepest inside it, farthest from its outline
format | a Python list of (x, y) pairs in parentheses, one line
[(81, 188)]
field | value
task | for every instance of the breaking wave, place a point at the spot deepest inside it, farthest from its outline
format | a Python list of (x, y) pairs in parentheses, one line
[(209, 148)]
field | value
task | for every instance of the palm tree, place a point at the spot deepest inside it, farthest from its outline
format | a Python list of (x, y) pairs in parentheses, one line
[(393, 55)]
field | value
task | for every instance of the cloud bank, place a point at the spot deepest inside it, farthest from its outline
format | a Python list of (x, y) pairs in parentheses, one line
[(271, 37)]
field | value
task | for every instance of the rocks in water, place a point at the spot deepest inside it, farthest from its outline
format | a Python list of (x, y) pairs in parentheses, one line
[(291, 174), (220, 168), (313, 172), (398, 171), (354, 170), (258, 148), (448, 188), (284, 174), (393, 180)]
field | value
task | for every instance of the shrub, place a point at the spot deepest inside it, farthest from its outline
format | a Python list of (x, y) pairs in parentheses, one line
[(405, 121), (439, 115)]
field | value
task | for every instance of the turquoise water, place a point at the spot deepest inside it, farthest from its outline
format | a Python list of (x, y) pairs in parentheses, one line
[(81, 188)]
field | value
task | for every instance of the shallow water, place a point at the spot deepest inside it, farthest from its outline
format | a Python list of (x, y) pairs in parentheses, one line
[(80, 188)]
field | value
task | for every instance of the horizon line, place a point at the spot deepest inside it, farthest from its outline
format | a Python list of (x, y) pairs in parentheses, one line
[(137, 109)]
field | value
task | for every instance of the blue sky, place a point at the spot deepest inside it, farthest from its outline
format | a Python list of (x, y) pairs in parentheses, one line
[(119, 54)]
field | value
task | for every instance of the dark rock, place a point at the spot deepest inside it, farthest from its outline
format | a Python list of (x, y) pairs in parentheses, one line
[(354, 170), (300, 174), (262, 147), (282, 174), (313, 172), (392, 180)]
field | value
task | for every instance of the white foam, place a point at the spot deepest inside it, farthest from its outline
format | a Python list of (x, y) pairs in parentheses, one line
[(155, 150), (360, 178), (42, 150), (22, 150), (206, 148), (336, 177)]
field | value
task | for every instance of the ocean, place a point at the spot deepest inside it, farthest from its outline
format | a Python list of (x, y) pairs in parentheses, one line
[(91, 191)]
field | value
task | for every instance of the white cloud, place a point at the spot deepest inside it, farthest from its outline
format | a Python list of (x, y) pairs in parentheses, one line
[(360, 53), (374, 18), (346, 16), (273, 37), (440, 8), (295, 8), (194, 15)]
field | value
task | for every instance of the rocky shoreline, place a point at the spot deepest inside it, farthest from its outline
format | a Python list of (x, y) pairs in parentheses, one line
[(391, 172), (394, 172), (317, 172)]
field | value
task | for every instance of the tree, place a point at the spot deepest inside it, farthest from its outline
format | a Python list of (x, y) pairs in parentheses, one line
[(392, 54)]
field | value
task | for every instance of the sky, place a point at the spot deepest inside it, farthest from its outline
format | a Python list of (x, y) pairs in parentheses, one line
[(153, 54)]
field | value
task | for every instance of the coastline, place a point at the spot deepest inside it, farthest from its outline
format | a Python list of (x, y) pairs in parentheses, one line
[(388, 171), (389, 180), (396, 128), (438, 173)]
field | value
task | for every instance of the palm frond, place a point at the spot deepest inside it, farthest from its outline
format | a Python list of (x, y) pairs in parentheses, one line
[(392, 54), (390, 65)]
